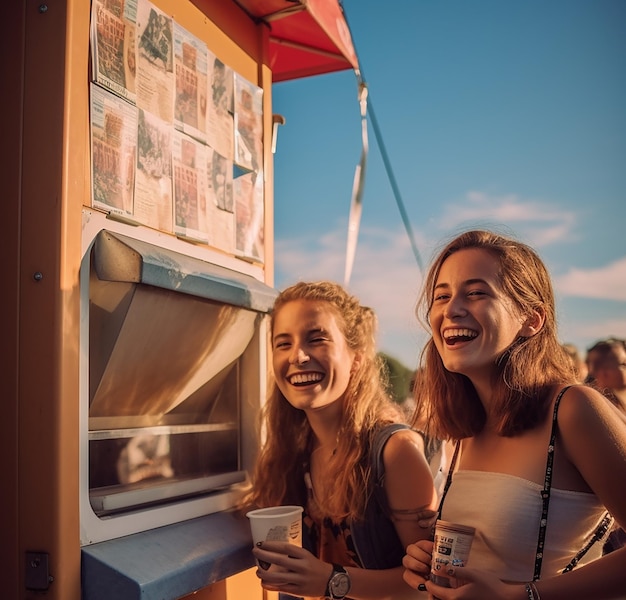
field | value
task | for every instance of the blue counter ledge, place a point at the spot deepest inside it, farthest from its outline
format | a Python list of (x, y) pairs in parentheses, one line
[(168, 562)]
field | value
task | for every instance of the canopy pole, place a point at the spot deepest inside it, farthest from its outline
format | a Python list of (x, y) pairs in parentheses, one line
[(394, 185), (356, 207)]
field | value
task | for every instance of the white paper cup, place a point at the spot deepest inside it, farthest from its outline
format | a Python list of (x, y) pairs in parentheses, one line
[(276, 524), (451, 549)]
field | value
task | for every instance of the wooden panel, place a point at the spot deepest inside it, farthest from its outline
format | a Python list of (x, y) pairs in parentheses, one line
[(47, 193)]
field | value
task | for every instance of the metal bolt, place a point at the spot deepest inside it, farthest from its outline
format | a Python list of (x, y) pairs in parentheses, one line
[(38, 276), (43, 8)]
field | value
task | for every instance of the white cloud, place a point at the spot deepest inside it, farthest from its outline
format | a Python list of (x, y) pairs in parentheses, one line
[(607, 282), (598, 329), (584, 333), (386, 275), (308, 258), (538, 222)]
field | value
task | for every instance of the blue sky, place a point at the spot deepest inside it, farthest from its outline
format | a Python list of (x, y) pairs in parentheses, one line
[(500, 114)]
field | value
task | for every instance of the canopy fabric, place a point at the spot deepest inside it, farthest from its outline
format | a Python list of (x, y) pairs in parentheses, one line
[(307, 37)]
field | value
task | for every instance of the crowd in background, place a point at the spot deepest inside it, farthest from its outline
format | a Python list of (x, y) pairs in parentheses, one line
[(604, 367)]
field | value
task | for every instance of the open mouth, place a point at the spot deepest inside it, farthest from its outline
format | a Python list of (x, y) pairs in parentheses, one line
[(301, 379), (456, 336)]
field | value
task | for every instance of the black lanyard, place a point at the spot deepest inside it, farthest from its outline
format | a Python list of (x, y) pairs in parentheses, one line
[(600, 531)]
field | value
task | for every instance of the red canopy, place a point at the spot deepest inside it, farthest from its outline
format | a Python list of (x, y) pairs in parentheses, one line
[(307, 37)]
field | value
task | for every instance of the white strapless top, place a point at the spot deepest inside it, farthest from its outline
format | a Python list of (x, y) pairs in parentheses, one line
[(506, 510)]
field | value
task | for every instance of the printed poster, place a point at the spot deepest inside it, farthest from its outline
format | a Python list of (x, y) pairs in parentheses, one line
[(155, 61), (220, 180), (113, 152), (220, 122), (189, 170), (113, 41), (249, 216), (153, 182), (248, 124), (190, 103)]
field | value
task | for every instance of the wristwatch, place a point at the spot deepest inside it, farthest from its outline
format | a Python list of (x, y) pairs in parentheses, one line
[(339, 584)]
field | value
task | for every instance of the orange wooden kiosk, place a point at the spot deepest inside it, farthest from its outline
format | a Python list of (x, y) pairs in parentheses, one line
[(124, 337)]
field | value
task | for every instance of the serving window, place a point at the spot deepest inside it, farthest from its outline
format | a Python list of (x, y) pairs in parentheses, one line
[(168, 342)]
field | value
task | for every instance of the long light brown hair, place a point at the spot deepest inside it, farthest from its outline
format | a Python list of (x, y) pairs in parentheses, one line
[(278, 476), (448, 406)]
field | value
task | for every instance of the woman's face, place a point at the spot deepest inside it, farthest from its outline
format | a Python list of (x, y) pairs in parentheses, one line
[(311, 358), (472, 320)]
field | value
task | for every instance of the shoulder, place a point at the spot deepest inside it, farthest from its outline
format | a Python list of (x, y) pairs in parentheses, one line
[(593, 432), (590, 426), (583, 407), (403, 446), (408, 483)]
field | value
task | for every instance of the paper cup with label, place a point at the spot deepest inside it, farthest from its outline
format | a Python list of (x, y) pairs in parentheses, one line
[(276, 524), (451, 549)]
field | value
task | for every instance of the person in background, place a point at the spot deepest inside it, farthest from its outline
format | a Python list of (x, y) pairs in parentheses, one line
[(539, 460), (326, 407), (606, 362), (578, 363)]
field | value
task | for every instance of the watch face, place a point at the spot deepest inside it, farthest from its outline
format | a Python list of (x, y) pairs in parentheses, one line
[(339, 585)]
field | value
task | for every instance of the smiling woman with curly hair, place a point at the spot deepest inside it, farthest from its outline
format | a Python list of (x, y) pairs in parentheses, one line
[(324, 416)]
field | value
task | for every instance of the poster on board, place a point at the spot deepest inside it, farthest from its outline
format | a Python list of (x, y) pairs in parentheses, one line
[(190, 65), (155, 61), (113, 152), (189, 176), (113, 46)]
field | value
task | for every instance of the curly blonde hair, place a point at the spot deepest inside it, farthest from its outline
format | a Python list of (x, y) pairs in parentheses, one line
[(278, 476)]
